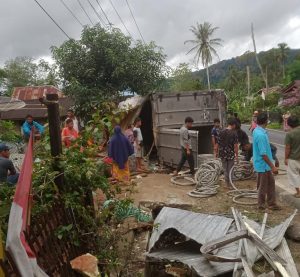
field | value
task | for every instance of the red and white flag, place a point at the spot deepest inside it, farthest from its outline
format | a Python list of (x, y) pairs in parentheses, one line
[(16, 244)]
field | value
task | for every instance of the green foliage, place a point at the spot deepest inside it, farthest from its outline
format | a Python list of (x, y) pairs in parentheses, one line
[(8, 131), (204, 45), (24, 71), (293, 71), (275, 125), (182, 79), (105, 62), (6, 198)]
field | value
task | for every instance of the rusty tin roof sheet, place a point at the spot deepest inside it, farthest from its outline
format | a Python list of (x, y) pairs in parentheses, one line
[(31, 93)]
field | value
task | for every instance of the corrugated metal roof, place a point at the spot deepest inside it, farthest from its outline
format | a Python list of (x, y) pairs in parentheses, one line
[(30, 93), (36, 109), (201, 228)]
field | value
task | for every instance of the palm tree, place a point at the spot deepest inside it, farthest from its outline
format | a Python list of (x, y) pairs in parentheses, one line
[(204, 44), (283, 48)]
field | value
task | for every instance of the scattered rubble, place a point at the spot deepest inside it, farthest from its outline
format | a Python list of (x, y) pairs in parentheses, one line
[(87, 265), (227, 244), (293, 232)]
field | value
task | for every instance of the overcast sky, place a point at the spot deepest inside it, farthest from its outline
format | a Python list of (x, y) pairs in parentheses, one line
[(25, 30)]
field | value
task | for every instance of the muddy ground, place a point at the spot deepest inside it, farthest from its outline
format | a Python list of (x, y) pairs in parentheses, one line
[(156, 190)]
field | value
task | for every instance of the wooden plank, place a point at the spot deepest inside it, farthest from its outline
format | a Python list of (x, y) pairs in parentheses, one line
[(241, 243), (1, 253), (247, 268), (284, 251)]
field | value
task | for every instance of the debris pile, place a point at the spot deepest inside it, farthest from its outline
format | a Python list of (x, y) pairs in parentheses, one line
[(212, 245)]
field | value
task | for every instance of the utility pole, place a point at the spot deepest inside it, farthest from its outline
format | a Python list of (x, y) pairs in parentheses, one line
[(248, 80), (51, 102)]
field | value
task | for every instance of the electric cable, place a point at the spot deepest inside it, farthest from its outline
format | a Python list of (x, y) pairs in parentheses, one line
[(116, 11), (97, 14), (109, 23), (75, 17), (137, 26), (52, 19), (85, 12)]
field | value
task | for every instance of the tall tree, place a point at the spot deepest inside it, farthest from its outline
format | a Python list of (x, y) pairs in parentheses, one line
[(104, 62), (205, 45), (183, 79), (283, 48), (24, 71)]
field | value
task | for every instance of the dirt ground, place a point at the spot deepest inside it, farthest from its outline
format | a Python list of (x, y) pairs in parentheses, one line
[(156, 189)]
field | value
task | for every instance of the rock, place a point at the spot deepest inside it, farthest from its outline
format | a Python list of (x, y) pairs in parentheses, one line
[(293, 232), (87, 265)]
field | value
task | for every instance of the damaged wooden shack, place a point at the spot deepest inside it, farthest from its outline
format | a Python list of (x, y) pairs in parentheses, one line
[(213, 245), (164, 113)]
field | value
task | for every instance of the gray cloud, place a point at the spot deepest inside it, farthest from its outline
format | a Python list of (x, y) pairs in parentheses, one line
[(26, 31)]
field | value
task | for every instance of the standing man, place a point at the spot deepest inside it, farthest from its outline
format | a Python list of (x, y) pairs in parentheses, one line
[(27, 126), (71, 115), (228, 148), (236, 117), (292, 154), (215, 133), (254, 121), (186, 147), (264, 164), (138, 144), (8, 173)]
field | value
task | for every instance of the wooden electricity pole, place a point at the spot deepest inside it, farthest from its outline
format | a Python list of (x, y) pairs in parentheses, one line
[(51, 102)]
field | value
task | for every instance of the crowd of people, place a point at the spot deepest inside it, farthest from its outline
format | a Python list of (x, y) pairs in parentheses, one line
[(227, 143)]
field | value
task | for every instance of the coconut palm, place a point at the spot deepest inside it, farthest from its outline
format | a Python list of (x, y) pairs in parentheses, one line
[(283, 48), (204, 45)]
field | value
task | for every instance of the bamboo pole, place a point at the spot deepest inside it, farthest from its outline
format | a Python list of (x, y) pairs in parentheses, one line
[(1, 253)]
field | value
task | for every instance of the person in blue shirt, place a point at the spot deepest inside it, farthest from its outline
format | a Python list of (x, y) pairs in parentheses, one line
[(264, 164), (27, 126)]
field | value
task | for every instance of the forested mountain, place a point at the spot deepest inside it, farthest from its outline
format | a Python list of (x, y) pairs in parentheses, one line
[(269, 59)]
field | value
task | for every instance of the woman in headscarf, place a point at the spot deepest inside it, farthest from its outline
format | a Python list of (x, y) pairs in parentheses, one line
[(119, 151)]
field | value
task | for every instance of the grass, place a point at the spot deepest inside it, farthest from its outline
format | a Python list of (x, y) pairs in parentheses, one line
[(275, 126)]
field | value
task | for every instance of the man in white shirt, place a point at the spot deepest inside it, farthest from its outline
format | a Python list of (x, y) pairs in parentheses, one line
[(138, 143), (71, 115)]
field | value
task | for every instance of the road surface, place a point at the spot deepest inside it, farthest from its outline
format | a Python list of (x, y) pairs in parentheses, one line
[(276, 137)]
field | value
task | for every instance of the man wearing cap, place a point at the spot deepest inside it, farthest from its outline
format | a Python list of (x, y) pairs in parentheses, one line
[(8, 173)]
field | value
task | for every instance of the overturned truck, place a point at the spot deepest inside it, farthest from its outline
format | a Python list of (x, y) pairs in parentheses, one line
[(163, 114)]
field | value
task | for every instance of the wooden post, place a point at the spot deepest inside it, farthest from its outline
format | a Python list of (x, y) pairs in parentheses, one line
[(1, 253), (51, 102)]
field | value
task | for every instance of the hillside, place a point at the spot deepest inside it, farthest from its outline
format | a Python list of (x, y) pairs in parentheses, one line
[(219, 71)]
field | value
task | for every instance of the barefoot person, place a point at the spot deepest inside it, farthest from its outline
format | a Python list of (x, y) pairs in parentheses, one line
[(292, 153), (119, 151), (69, 134), (264, 164), (186, 147), (228, 148), (138, 144)]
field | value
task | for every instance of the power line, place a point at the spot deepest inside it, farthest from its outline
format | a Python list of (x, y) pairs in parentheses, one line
[(120, 17), (137, 26), (85, 11), (104, 13), (52, 19), (97, 14), (76, 18)]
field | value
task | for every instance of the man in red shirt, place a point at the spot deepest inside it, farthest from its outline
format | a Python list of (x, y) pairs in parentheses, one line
[(69, 134)]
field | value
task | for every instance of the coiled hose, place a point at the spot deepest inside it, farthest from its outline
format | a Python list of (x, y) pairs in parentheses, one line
[(206, 179), (242, 171)]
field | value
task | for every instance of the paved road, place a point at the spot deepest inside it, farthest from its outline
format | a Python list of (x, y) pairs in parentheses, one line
[(276, 137)]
